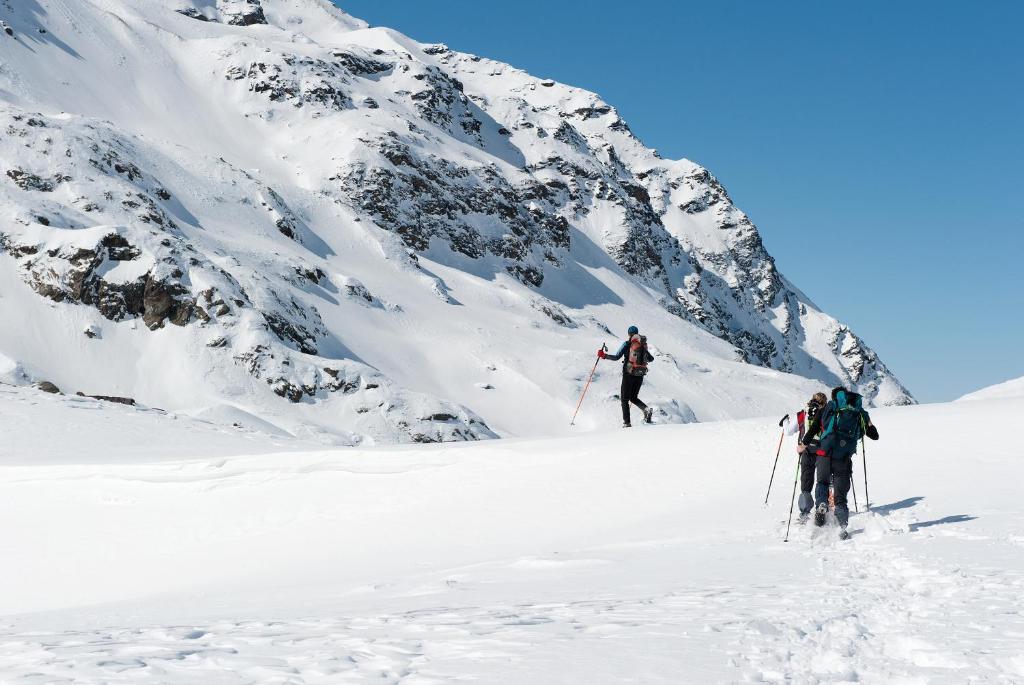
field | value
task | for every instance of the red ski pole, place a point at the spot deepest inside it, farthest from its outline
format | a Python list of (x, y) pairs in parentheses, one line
[(604, 348)]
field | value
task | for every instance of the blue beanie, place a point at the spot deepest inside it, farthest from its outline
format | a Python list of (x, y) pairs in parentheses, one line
[(633, 330)]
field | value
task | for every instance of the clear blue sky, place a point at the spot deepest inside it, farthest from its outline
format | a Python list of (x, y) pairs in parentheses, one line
[(878, 146)]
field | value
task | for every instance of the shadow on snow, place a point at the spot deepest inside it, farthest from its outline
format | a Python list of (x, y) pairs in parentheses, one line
[(956, 518), (902, 504)]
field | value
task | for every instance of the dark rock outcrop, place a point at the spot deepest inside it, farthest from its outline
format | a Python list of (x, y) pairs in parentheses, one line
[(47, 386), (242, 12), (110, 398)]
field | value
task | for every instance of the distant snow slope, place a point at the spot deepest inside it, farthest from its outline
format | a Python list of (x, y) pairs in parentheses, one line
[(624, 556), (266, 207), (40, 428), (1010, 389)]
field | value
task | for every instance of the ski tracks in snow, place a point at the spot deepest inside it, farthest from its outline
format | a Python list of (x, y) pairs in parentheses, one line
[(608, 640), (867, 612), (864, 612)]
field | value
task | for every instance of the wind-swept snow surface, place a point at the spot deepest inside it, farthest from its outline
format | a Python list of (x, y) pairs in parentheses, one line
[(266, 208), (630, 556)]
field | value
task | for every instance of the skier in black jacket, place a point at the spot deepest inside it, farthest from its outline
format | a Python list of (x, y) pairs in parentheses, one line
[(807, 454), (634, 356)]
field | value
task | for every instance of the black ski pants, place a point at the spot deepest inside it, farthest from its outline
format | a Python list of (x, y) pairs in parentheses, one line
[(807, 465), (838, 471), (630, 393)]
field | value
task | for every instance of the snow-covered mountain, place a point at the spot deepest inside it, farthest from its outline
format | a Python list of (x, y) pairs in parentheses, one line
[(265, 212)]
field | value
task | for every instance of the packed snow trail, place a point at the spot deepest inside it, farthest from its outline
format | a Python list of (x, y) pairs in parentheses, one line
[(642, 555)]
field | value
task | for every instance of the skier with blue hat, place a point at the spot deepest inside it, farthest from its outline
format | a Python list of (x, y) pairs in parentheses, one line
[(635, 356)]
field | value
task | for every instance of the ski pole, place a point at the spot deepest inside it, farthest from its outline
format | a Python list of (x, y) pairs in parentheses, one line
[(864, 459), (604, 348), (777, 452), (853, 486), (792, 499)]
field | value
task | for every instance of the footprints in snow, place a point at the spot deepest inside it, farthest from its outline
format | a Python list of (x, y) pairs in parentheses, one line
[(866, 612)]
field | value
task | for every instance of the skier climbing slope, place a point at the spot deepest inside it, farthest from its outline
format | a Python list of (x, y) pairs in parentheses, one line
[(635, 356)]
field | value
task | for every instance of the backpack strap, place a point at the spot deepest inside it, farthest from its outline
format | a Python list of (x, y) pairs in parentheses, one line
[(828, 417)]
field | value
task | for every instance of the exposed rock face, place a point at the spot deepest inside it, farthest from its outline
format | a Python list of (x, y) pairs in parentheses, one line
[(232, 12), (74, 274), (242, 12), (422, 199)]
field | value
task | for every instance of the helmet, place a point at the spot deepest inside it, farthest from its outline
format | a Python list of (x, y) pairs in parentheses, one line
[(633, 330)]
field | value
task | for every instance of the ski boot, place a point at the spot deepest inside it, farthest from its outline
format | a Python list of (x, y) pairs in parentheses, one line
[(844, 534), (627, 424), (819, 514), (803, 517), (648, 415)]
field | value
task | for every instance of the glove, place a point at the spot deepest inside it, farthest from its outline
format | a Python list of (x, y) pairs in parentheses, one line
[(872, 432), (783, 420), (600, 353)]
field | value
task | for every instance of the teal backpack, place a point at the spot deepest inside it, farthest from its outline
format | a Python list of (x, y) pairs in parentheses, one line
[(843, 424)]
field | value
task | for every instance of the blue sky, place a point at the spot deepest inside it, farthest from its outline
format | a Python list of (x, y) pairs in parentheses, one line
[(878, 146)]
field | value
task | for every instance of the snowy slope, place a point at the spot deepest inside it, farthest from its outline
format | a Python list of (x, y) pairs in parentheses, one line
[(1010, 389), (611, 557), (81, 430), (270, 209)]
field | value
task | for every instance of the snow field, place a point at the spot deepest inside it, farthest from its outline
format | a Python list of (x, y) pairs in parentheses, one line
[(642, 555)]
